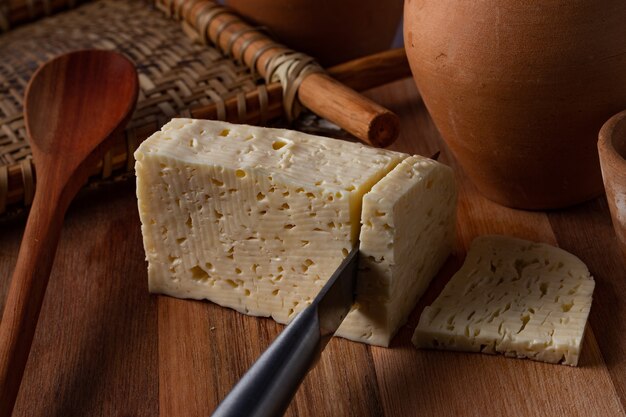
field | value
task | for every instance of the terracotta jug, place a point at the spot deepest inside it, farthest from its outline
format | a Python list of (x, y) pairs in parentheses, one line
[(333, 31), (519, 90)]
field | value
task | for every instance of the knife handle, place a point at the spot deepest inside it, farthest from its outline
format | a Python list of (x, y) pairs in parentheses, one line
[(269, 385)]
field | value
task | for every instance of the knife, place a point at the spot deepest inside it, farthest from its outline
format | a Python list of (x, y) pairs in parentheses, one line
[(269, 385)]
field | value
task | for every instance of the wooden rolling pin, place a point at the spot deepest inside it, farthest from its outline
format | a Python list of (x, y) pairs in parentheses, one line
[(318, 91), (360, 74)]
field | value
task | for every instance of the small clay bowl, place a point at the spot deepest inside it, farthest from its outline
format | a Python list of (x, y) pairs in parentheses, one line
[(612, 151)]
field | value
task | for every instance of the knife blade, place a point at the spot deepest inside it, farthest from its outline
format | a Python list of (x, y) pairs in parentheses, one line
[(269, 385)]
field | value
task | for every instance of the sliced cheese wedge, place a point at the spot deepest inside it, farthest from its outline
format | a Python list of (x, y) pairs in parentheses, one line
[(250, 218), (515, 297), (408, 225), (258, 220)]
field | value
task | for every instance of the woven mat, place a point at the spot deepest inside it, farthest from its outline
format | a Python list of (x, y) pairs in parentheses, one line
[(175, 74)]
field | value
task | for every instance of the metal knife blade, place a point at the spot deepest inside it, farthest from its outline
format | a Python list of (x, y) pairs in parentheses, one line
[(336, 297), (269, 385)]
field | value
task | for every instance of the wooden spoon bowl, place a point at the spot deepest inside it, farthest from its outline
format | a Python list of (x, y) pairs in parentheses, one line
[(72, 105)]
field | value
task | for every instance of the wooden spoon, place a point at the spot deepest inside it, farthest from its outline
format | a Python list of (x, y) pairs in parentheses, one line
[(73, 104)]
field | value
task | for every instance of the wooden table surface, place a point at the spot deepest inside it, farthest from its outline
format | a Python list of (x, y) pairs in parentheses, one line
[(105, 347)]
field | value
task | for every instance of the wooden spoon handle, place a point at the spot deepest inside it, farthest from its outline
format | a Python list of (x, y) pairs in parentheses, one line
[(26, 293)]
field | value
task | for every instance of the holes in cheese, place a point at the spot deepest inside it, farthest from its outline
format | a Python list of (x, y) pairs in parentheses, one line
[(515, 297), (277, 144), (402, 248), (274, 212), (269, 209)]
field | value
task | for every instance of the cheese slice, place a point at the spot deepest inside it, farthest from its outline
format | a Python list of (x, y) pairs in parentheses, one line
[(250, 218), (515, 297), (408, 225)]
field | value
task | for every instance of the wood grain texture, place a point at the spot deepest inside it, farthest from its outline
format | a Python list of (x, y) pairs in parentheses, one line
[(586, 230), (106, 347), (95, 348)]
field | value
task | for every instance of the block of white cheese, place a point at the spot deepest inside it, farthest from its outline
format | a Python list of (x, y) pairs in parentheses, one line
[(515, 297), (258, 220), (250, 218), (408, 228)]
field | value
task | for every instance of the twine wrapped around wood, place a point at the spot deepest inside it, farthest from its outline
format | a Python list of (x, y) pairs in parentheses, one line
[(289, 69), (286, 66)]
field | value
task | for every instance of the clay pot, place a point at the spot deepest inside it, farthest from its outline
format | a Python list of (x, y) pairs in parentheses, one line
[(612, 150), (519, 90), (333, 31)]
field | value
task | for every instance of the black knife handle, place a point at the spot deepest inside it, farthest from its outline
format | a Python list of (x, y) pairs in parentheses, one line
[(269, 385)]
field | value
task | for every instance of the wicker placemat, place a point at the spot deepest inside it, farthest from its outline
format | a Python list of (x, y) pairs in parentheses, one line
[(175, 75)]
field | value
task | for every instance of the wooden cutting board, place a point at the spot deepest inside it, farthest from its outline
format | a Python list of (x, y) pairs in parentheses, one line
[(105, 347)]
